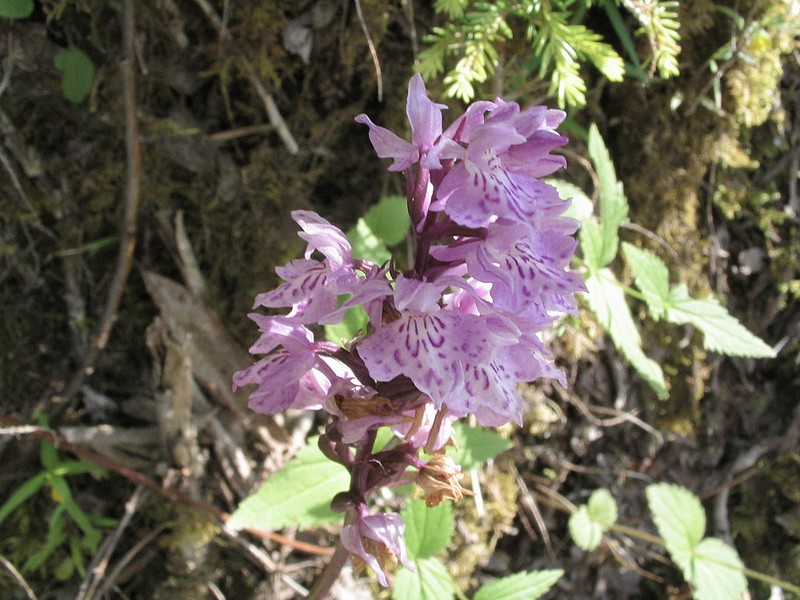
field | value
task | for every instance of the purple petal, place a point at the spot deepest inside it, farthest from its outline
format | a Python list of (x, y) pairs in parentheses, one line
[(425, 116), (322, 236), (389, 145), (429, 349)]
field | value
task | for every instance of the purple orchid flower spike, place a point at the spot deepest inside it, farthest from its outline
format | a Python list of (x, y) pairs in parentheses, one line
[(451, 336)]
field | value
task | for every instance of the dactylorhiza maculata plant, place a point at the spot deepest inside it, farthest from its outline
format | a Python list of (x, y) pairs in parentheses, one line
[(450, 337)]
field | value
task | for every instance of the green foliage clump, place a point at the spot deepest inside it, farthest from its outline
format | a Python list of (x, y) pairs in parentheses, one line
[(558, 41)]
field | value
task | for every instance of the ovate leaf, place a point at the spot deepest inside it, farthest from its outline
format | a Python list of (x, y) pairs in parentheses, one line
[(651, 276), (475, 445), (603, 508), (428, 530), (16, 9), (300, 494), (722, 332), (366, 245), (588, 524), (520, 586), (389, 220), (607, 301), (680, 519), (586, 533), (717, 572), (78, 73), (430, 582)]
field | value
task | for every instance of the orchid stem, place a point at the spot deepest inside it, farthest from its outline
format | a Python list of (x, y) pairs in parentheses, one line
[(329, 575)]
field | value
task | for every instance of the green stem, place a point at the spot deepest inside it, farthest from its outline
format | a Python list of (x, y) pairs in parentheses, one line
[(329, 574), (769, 579)]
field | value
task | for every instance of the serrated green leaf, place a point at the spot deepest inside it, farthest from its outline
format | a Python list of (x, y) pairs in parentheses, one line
[(680, 519), (78, 73), (581, 207), (607, 301), (428, 530), (591, 242), (520, 586), (722, 332), (613, 203), (717, 572), (432, 581), (366, 245), (476, 445), (389, 220), (603, 508), (299, 495), (651, 276), (586, 533), (16, 9)]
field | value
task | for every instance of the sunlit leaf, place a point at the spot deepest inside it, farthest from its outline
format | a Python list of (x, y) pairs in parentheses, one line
[(722, 332), (520, 586), (680, 519), (430, 582), (613, 203), (476, 445), (428, 530), (389, 220), (651, 276), (300, 494), (607, 301), (588, 524), (717, 572)]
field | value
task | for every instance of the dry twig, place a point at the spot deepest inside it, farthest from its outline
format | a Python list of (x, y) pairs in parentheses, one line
[(132, 194)]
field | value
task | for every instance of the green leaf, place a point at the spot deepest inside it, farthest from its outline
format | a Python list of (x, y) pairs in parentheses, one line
[(431, 581), (651, 276), (717, 572), (520, 586), (476, 445), (613, 203), (78, 73), (723, 333), (680, 519), (582, 206), (366, 245), (299, 495), (591, 241), (65, 569), (428, 530), (588, 524), (55, 537), (354, 320), (607, 301), (16, 9), (586, 533), (22, 493), (603, 508), (389, 220)]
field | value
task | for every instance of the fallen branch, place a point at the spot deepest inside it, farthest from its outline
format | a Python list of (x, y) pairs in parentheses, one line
[(132, 195)]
